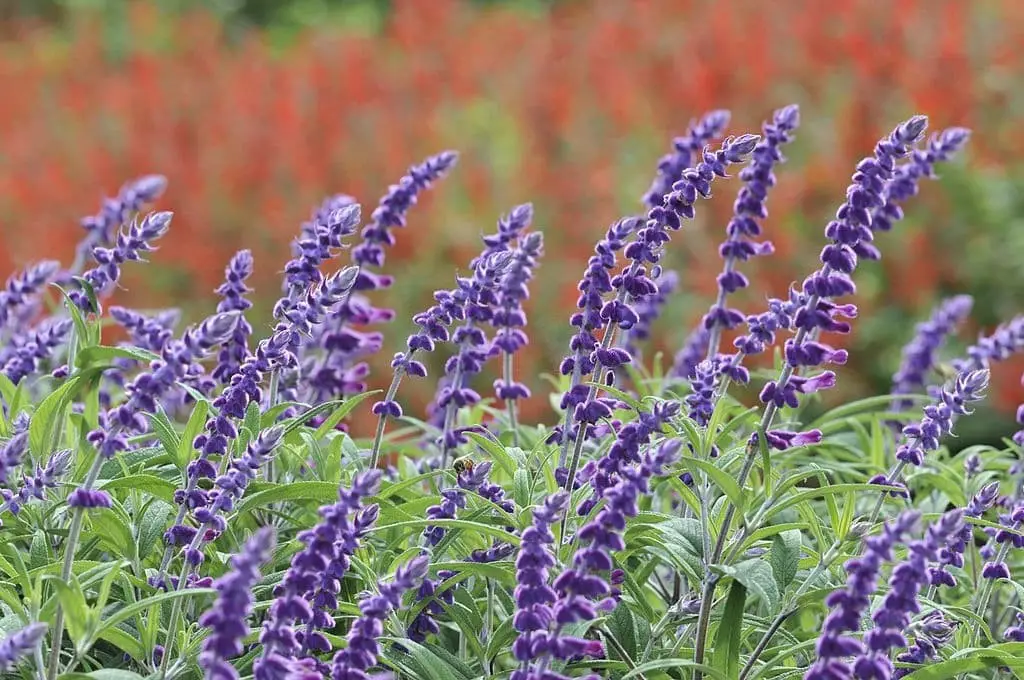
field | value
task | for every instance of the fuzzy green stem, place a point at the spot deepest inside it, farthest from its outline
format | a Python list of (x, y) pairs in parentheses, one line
[(382, 419), (510, 404)]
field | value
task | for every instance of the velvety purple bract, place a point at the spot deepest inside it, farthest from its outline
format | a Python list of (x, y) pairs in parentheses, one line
[(20, 644), (671, 166), (233, 291)]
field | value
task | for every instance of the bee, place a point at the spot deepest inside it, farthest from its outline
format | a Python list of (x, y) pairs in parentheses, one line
[(464, 464)]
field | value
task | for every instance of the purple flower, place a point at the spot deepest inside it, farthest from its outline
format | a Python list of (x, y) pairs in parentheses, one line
[(11, 454), (35, 486), (229, 489), (942, 147), (952, 554), (18, 299), (101, 228), (509, 317), (923, 437), (901, 602), (533, 595), (147, 332), (31, 349), (363, 648), (847, 231), (633, 284), (849, 605), (700, 401), (315, 247), (671, 166), (478, 297), (227, 618), (748, 208), (236, 349), (130, 247), (648, 310), (304, 595), (919, 356), (1018, 436), (1016, 633), (596, 282), (1006, 340), (340, 371), (933, 631), (692, 352), (1008, 536), (20, 644)]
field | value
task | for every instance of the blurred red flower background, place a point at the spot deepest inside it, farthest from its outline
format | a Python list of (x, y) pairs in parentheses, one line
[(569, 109)]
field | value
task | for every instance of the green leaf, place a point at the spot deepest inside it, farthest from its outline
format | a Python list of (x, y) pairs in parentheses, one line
[(38, 553), (662, 664), (134, 608), (486, 529), (321, 492), (521, 488), (726, 656), (722, 479), (72, 601), (757, 576), (785, 557), (151, 527), (300, 420), (196, 423), (101, 354), (1010, 654), (114, 674), (430, 665), (339, 413), (150, 484), (48, 416), (164, 430), (495, 450)]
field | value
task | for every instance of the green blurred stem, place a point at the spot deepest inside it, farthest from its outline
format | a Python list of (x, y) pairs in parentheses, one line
[(510, 404), (990, 584), (74, 534), (275, 378)]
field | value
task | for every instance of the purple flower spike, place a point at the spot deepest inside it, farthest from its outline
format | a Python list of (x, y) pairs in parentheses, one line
[(342, 371), (671, 166), (20, 644), (648, 311), (35, 486), (758, 177), (227, 619), (941, 148), (919, 356), (307, 593), (11, 454), (101, 228), (509, 318), (849, 605), (901, 602), (1001, 344), (233, 292), (18, 299), (131, 245), (33, 348), (693, 351), (533, 595), (363, 647), (952, 555), (147, 332), (923, 437), (478, 299)]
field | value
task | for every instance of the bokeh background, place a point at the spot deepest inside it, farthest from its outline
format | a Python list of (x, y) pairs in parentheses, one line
[(256, 110)]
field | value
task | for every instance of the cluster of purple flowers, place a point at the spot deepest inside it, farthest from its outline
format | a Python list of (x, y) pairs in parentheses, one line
[(114, 213), (28, 351), (901, 602), (711, 126), (341, 370), (952, 554), (919, 356), (226, 619), (748, 208), (130, 246), (308, 592), (19, 297), (848, 606), (363, 647), (20, 644), (233, 291)]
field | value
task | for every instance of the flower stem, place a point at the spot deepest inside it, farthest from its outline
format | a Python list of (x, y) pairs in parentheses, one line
[(510, 404), (74, 533)]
